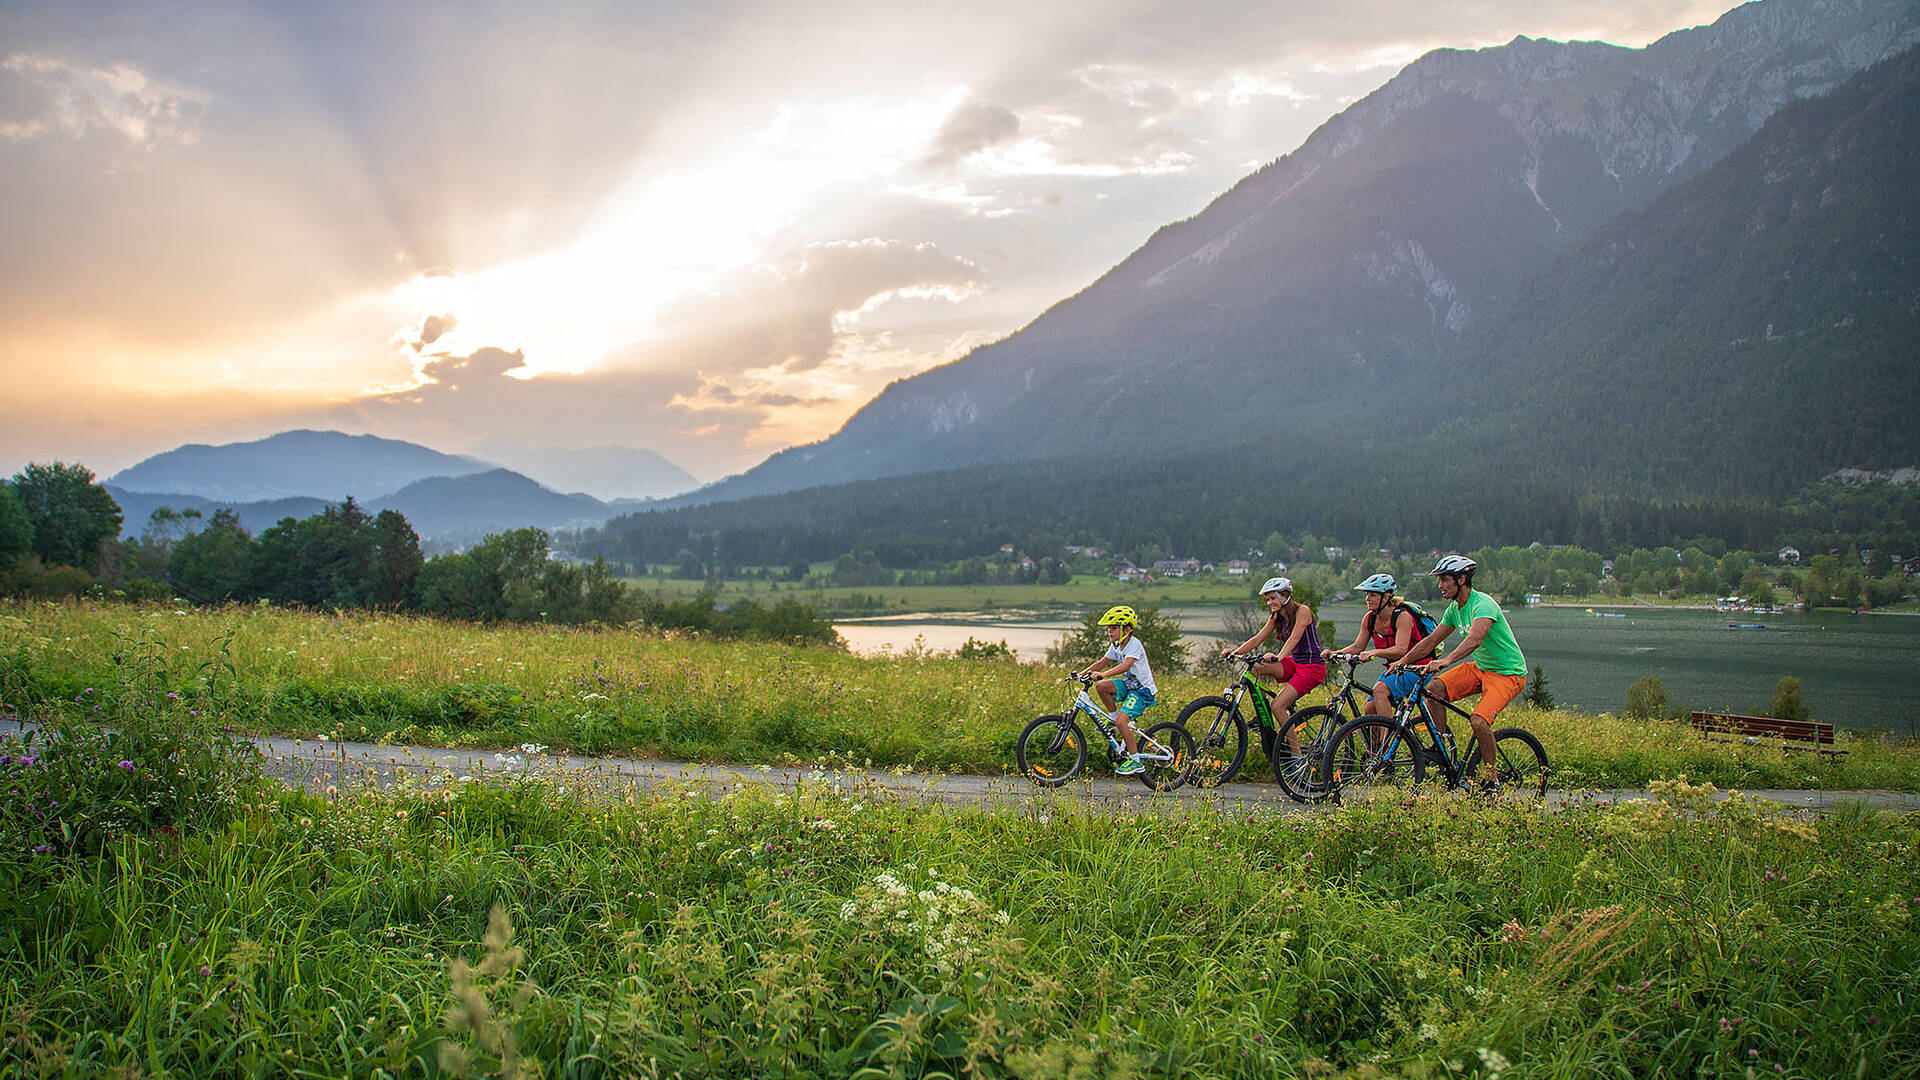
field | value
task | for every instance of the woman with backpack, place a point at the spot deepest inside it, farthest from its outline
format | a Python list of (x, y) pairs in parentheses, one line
[(1393, 625)]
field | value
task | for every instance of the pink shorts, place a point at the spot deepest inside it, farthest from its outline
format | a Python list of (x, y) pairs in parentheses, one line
[(1302, 677)]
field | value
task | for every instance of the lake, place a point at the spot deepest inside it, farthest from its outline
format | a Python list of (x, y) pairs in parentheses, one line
[(1857, 671)]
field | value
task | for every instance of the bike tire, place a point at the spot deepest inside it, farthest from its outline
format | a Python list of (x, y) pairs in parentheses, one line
[(1219, 740), (1167, 775), (1370, 752), (1520, 761), (1051, 750), (1299, 775)]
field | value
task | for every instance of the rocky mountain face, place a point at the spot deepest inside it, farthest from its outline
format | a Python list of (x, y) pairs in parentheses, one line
[(1340, 273)]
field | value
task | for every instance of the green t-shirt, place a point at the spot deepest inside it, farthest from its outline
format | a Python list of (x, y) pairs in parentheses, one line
[(1498, 652)]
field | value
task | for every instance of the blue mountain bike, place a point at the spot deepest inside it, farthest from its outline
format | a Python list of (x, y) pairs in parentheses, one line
[(1378, 751)]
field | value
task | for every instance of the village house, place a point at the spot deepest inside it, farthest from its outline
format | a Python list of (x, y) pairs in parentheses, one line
[(1126, 571), (1238, 568), (1789, 554)]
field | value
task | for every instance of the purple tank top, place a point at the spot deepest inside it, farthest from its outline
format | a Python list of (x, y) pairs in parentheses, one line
[(1307, 651)]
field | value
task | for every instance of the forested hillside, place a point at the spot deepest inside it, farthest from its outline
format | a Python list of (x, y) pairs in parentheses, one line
[(1756, 327)]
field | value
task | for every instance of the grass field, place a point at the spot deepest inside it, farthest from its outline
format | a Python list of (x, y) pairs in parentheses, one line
[(418, 681), (170, 915), (820, 934)]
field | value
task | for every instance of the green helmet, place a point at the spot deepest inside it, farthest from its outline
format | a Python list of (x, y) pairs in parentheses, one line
[(1119, 615)]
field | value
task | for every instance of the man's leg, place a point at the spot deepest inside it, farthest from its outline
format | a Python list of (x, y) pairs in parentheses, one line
[(1497, 692), (1460, 681)]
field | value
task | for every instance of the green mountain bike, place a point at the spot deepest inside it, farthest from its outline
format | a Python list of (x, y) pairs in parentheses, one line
[(1220, 732), (1052, 749)]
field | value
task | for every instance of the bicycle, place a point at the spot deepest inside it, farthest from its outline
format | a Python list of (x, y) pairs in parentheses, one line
[(1312, 730), (1220, 750), (1052, 749), (1386, 750)]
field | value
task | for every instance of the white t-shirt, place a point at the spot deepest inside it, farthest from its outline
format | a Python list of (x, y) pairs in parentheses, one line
[(1140, 675)]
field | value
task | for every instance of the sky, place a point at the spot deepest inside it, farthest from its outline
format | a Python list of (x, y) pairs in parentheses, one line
[(709, 230)]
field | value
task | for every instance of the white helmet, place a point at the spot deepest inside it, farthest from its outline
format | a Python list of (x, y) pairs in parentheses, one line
[(1277, 584), (1453, 565)]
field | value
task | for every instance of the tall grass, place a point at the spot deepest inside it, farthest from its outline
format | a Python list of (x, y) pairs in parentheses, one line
[(545, 931), (611, 691)]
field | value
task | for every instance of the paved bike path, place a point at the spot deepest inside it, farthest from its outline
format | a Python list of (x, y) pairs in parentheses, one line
[(314, 765)]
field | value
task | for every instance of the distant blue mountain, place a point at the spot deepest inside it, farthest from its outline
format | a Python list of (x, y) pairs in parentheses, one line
[(326, 465)]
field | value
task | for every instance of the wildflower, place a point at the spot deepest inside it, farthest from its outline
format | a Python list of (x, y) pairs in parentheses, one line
[(127, 765), (205, 970)]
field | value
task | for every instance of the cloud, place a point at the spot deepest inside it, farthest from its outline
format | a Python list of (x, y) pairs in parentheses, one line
[(58, 97), (971, 128)]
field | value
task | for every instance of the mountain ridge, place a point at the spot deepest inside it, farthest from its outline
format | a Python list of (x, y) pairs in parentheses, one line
[(1427, 202)]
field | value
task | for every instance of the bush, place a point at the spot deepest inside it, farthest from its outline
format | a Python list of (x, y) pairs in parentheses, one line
[(1786, 700), (1538, 695), (1647, 700), (982, 650)]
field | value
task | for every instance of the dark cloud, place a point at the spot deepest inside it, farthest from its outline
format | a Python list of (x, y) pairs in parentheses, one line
[(971, 128)]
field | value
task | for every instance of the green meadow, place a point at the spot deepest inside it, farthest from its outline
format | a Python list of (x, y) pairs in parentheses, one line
[(408, 680), (173, 914)]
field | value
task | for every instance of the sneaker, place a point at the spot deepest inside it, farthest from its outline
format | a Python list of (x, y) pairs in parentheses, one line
[(1130, 767)]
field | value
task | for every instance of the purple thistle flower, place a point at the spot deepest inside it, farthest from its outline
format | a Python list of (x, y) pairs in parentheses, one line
[(127, 765)]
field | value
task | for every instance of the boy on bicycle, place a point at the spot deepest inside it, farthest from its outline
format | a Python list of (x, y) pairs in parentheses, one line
[(1497, 672), (1394, 625), (1128, 684)]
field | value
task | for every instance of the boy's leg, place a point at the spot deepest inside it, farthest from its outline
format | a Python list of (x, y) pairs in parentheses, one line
[(1107, 697), (1125, 723)]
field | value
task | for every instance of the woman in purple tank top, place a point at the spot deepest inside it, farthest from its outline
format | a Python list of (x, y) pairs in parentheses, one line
[(1299, 665)]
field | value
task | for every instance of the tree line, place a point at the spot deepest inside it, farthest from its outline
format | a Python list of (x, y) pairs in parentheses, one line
[(59, 536)]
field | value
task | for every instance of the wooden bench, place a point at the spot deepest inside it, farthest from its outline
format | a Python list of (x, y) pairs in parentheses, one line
[(1817, 736)]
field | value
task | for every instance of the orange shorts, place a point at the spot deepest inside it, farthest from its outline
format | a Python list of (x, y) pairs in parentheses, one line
[(1495, 691)]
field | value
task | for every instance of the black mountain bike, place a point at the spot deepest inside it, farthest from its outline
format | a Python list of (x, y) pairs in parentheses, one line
[(1311, 730), (1386, 750)]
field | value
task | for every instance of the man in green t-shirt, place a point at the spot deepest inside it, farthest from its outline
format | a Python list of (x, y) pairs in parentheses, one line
[(1497, 671)]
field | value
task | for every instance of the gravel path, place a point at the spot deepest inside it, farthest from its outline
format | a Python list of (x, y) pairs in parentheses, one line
[(315, 765)]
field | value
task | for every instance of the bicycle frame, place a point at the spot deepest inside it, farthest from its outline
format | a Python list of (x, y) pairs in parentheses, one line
[(1083, 701), (1443, 750), (1262, 696)]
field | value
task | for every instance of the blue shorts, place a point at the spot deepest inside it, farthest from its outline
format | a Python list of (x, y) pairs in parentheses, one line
[(1400, 684), (1133, 702)]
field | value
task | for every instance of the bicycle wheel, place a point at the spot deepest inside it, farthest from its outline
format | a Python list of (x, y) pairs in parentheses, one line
[(1052, 750), (1370, 752), (1219, 740), (1299, 774), (1520, 762), (1167, 752)]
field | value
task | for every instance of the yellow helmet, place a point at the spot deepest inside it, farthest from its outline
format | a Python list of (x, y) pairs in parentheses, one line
[(1119, 615)]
